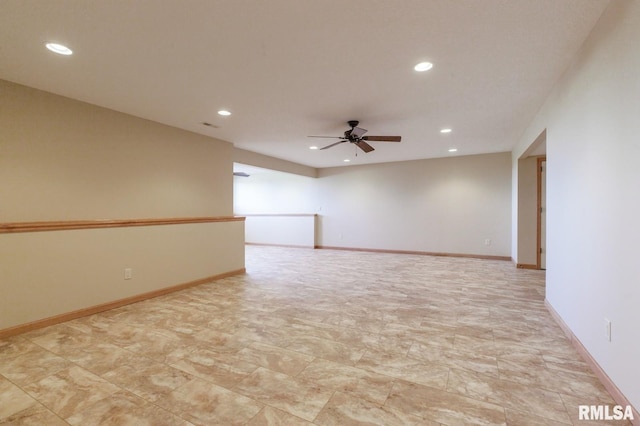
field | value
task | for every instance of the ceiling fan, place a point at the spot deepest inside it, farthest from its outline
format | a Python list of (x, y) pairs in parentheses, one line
[(355, 135)]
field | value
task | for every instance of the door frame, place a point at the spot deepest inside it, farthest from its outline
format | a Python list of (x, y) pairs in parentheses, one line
[(541, 160)]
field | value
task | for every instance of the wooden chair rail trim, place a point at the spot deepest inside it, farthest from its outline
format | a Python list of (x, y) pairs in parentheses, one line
[(15, 227)]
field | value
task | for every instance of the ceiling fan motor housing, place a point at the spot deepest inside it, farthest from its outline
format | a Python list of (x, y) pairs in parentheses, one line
[(347, 134), (355, 135)]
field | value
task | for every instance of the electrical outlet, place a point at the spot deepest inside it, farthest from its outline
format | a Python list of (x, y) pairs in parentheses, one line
[(128, 273), (487, 242), (607, 325)]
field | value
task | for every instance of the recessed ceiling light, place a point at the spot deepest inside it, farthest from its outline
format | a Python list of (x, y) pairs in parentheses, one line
[(313, 147), (423, 66), (447, 130), (224, 112), (346, 160), (60, 49), (453, 149)]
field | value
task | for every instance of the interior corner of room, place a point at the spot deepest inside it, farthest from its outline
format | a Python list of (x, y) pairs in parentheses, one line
[(99, 208)]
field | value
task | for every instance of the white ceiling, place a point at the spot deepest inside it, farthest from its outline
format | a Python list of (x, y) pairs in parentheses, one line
[(291, 68)]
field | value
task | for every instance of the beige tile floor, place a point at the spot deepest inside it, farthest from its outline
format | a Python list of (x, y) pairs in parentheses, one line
[(311, 337)]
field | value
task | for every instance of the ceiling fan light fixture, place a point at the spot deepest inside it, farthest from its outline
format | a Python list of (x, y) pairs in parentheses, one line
[(423, 66), (60, 49), (224, 113)]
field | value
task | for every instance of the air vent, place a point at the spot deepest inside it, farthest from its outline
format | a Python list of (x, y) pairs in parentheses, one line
[(204, 123)]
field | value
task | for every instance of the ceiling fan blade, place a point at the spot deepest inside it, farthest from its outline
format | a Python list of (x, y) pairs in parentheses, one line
[(334, 144), (364, 146), (382, 138), (327, 137)]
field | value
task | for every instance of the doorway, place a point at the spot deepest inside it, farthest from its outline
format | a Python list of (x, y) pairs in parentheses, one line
[(542, 214), (531, 206)]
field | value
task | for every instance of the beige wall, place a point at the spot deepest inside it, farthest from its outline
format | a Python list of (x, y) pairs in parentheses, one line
[(50, 273), (271, 163), (62, 159), (593, 202), (446, 205), (284, 230)]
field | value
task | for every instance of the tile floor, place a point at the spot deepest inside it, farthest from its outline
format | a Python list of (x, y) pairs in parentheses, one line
[(311, 337)]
